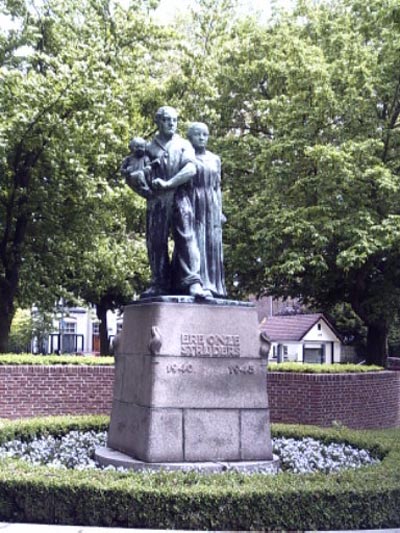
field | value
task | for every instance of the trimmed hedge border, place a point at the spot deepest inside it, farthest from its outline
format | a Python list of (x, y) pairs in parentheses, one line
[(56, 360), (12, 359), (336, 368), (367, 498)]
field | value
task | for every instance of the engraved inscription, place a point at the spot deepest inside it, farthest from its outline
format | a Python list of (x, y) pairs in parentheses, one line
[(179, 369), (246, 369), (210, 345)]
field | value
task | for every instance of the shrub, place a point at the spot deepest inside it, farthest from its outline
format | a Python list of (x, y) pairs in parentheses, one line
[(21, 331), (335, 368), (359, 499), (30, 359)]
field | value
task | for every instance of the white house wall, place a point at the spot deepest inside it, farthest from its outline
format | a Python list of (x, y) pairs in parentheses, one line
[(81, 322), (314, 337), (325, 334), (84, 318), (337, 352), (294, 351)]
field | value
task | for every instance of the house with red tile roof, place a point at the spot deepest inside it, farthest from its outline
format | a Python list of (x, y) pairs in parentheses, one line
[(304, 338)]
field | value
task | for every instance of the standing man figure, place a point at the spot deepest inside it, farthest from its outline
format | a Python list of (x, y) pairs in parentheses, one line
[(169, 209)]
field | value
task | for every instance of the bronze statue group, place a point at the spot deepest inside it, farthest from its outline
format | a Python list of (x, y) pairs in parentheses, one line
[(181, 181)]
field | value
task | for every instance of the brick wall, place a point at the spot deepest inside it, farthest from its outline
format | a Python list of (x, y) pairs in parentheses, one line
[(27, 391), (393, 363), (360, 401), (370, 400)]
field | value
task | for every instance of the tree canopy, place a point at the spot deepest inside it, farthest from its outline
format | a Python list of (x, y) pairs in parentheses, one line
[(311, 105), (76, 77), (304, 111)]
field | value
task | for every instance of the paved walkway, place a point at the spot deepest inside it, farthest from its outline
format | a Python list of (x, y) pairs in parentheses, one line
[(39, 528)]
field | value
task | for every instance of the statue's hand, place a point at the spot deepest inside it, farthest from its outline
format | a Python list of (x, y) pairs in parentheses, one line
[(160, 185), (223, 218), (137, 178)]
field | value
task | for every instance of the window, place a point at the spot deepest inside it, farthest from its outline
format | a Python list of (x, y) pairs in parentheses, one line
[(95, 328), (69, 327), (314, 353)]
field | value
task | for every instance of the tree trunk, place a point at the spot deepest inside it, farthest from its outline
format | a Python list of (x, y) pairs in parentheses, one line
[(377, 328), (6, 316), (103, 330), (377, 344), (11, 244)]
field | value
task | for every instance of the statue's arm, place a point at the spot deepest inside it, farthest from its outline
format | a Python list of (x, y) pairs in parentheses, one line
[(183, 176), (124, 166), (219, 192)]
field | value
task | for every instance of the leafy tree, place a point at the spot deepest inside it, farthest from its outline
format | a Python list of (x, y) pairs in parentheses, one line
[(350, 326), (21, 331), (115, 267), (76, 74), (42, 326), (394, 336), (203, 34), (311, 107)]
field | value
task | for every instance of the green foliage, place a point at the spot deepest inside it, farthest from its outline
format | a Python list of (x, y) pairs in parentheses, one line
[(76, 76), (335, 368), (42, 326), (361, 499), (21, 331), (26, 325), (29, 359), (304, 112), (394, 336), (203, 37), (114, 267), (351, 328), (28, 429), (311, 105)]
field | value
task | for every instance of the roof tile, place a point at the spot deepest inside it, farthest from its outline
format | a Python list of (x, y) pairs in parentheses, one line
[(290, 327)]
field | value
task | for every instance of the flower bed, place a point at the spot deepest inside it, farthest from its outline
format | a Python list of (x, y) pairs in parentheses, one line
[(363, 498), (76, 450)]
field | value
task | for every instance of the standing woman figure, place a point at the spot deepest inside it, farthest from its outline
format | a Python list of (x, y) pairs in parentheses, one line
[(207, 208)]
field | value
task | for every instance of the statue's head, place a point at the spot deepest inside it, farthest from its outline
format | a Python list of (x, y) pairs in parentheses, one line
[(167, 120), (198, 135), (137, 146)]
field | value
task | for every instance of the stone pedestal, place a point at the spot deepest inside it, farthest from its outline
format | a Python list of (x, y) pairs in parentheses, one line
[(190, 385)]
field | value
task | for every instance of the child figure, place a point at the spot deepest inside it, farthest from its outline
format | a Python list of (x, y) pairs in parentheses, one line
[(136, 168)]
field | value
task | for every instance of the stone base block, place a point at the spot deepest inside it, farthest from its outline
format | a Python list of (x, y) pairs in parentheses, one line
[(107, 456), (195, 382), (146, 433), (154, 434), (191, 384)]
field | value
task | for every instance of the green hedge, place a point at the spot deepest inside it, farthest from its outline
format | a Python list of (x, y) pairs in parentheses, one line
[(335, 368), (30, 359), (361, 499)]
